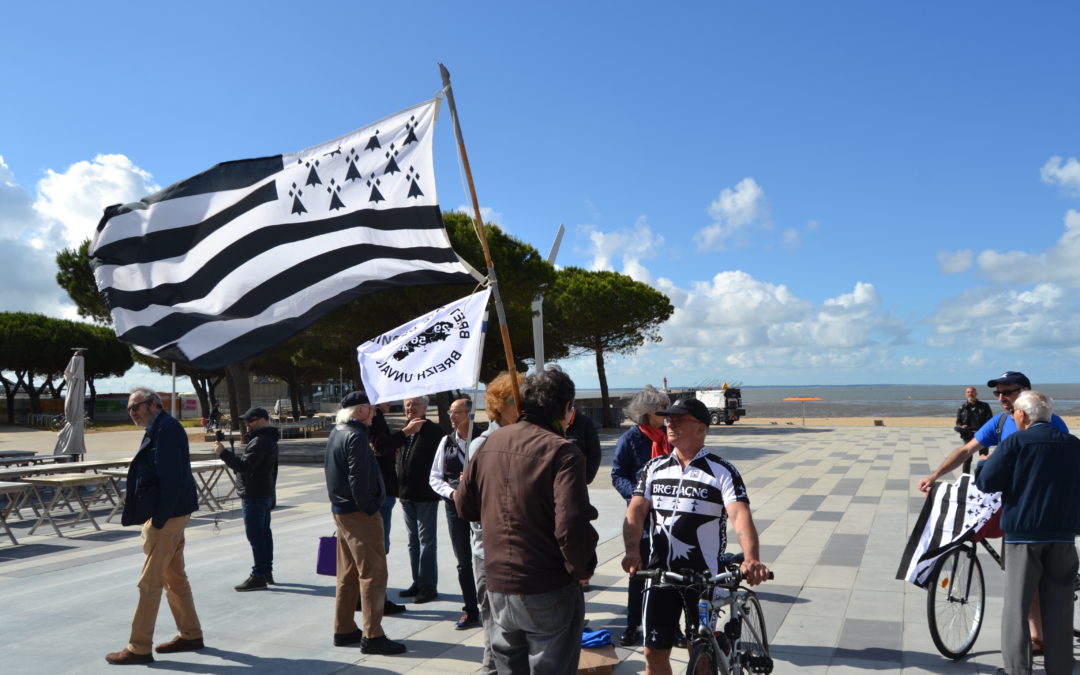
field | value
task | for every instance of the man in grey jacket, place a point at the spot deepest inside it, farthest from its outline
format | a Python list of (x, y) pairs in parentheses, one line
[(356, 492)]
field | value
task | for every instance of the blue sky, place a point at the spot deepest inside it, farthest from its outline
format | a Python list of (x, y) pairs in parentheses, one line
[(830, 193)]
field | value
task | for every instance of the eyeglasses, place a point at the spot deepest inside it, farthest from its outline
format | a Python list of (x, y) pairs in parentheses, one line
[(133, 408), (1006, 392)]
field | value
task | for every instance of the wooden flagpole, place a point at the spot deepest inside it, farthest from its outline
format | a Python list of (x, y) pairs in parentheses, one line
[(479, 223)]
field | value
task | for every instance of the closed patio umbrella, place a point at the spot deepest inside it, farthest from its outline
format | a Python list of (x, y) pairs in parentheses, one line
[(70, 440)]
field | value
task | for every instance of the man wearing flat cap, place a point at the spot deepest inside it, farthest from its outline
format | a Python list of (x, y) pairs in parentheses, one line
[(356, 491), (256, 469), (690, 493)]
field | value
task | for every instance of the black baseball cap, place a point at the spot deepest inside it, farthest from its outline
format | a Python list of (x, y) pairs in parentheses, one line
[(354, 398), (254, 414), (1011, 377), (688, 406)]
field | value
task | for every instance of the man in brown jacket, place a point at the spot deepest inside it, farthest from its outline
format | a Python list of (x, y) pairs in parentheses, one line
[(527, 486)]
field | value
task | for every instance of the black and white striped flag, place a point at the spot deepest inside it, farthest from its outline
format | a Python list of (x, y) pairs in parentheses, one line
[(226, 264), (951, 515)]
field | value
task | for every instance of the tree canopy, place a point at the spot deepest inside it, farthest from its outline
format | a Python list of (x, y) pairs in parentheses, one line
[(603, 312), (34, 345)]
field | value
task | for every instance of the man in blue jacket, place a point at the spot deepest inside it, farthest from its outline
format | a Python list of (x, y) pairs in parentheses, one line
[(1037, 470), (161, 497)]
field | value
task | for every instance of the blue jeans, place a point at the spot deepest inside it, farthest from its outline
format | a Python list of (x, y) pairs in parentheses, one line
[(257, 526), (420, 521), (386, 510)]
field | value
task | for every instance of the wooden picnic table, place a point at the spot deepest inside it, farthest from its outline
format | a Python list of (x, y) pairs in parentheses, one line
[(17, 494), (17, 453), (65, 488), (60, 468), (207, 475)]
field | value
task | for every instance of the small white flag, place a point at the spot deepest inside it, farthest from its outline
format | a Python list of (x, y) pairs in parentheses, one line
[(439, 351)]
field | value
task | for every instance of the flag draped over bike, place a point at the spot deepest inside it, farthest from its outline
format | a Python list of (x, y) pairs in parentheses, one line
[(952, 514), (224, 265)]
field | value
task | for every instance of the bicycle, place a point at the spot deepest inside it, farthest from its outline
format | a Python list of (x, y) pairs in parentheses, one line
[(956, 599), (741, 645)]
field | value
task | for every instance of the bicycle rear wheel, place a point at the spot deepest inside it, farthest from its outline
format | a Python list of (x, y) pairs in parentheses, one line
[(703, 661), (752, 648), (955, 602)]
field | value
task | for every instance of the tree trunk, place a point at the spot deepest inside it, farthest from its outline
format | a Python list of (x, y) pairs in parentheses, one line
[(9, 391), (605, 415), (296, 395), (33, 393), (239, 375), (93, 396)]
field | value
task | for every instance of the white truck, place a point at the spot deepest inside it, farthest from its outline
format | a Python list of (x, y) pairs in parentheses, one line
[(725, 405)]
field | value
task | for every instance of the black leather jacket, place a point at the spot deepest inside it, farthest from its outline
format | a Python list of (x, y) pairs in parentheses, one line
[(353, 480)]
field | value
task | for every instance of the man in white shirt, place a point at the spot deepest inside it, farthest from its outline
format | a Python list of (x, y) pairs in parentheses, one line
[(445, 472)]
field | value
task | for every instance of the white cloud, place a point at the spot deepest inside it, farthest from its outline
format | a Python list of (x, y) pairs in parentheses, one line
[(490, 216), (1044, 317), (627, 247), (791, 239), (71, 203), (65, 211), (1057, 264), (735, 211), (1066, 175), (956, 262)]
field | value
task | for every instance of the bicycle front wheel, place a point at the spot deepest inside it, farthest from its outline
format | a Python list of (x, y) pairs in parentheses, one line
[(752, 648), (703, 661), (955, 602)]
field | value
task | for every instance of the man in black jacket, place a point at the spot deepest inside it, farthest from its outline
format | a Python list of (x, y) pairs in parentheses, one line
[(256, 469), (416, 445), (971, 416), (356, 492), (161, 497)]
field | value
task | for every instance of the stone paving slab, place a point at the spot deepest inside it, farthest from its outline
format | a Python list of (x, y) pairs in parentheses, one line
[(834, 507)]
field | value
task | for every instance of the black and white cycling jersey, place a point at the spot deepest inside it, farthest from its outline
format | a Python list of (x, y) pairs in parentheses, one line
[(689, 520)]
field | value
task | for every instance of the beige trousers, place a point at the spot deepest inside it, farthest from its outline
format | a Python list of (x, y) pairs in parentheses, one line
[(163, 568), (361, 572)]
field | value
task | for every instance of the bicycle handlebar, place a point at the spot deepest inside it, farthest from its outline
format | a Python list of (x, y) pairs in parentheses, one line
[(731, 578)]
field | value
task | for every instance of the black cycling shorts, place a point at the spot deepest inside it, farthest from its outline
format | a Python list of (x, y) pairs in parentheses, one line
[(661, 611)]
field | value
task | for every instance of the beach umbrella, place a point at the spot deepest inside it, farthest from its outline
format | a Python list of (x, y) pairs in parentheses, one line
[(804, 399), (70, 439)]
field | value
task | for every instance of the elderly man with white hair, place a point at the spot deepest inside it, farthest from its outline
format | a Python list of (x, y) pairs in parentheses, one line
[(1037, 471)]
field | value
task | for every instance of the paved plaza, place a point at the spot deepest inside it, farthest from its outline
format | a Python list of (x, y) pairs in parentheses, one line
[(834, 507)]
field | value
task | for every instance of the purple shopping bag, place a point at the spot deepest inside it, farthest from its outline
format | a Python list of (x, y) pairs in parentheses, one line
[(326, 560)]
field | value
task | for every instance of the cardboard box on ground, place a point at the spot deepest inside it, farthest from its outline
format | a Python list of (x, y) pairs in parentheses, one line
[(597, 660)]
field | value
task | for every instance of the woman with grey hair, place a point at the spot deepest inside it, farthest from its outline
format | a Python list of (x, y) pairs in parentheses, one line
[(641, 442)]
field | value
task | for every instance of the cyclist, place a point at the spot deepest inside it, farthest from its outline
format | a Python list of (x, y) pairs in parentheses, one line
[(691, 493)]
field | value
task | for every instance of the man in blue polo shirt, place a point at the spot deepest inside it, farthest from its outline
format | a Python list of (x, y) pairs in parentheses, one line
[(1036, 470), (1006, 388)]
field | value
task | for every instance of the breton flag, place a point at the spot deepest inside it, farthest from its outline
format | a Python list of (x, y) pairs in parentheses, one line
[(439, 351), (952, 514), (226, 264)]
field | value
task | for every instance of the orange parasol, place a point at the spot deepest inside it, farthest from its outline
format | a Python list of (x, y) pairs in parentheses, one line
[(804, 399)]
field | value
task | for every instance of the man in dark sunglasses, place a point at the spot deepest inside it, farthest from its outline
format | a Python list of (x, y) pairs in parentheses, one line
[(1005, 388)]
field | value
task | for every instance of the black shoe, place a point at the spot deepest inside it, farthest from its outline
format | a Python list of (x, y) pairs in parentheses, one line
[(270, 578), (409, 592), (467, 621), (425, 595), (630, 637), (680, 641), (253, 583), (381, 645), (389, 608), (344, 639)]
